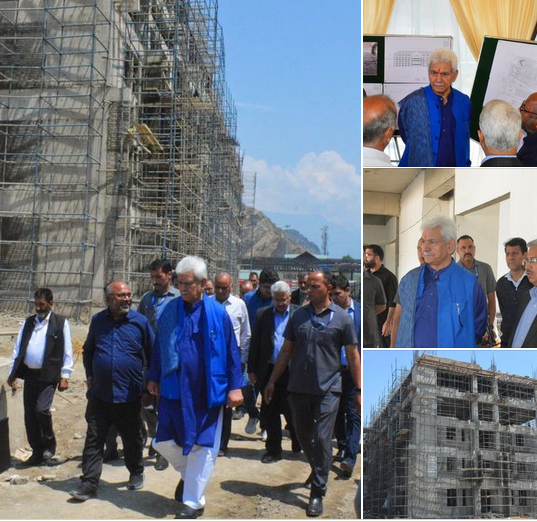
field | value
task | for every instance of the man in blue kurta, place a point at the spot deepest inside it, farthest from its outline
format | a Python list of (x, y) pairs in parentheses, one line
[(196, 369), (434, 121), (443, 305)]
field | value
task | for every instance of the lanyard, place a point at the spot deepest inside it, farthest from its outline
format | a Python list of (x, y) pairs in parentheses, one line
[(318, 325)]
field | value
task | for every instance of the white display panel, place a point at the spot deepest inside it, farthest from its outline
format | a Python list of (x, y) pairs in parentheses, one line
[(373, 88), (513, 75), (406, 57)]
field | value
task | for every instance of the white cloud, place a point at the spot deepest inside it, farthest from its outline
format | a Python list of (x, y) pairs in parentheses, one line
[(322, 185)]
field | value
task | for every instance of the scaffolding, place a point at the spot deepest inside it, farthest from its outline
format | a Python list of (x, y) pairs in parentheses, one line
[(118, 146), (452, 440)]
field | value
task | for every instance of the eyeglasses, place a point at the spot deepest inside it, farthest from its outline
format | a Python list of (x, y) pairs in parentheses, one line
[(529, 260), (444, 74), (522, 108)]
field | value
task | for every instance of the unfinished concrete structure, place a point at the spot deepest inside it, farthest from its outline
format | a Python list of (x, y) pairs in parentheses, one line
[(117, 145), (452, 440)]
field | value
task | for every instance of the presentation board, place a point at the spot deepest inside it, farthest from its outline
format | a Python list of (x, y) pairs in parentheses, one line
[(506, 70), (398, 63)]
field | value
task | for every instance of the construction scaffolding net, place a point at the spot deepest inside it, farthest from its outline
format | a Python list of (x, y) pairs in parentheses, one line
[(451, 440), (118, 146)]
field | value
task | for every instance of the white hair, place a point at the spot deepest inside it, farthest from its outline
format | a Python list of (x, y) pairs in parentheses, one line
[(532, 244), (193, 264), (500, 124), (446, 225), (280, 286), (443, 55)]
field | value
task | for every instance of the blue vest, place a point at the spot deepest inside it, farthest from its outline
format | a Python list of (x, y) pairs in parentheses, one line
[(421, 146), (456, 324), (170, 328)]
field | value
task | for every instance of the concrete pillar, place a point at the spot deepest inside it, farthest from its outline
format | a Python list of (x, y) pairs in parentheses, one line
[(12, 431)]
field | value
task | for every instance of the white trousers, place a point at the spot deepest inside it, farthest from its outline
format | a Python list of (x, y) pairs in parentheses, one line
[(195, 468)]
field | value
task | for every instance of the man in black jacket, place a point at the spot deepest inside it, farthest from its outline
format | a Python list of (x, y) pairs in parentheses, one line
[(528, 111), (43, 357), (525, 329), (512, 286), (265, 344)]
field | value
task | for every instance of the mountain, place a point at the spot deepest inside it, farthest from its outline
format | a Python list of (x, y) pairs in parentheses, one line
[(269, 240)]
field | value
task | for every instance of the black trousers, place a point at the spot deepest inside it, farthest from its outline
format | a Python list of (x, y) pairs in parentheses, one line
[(348, 420), (100, 416), (314, 417), (37, 399), (271, 414), (226, 429)]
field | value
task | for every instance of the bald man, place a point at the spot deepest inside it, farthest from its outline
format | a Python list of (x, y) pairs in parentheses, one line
[(528, 111), (380, 116)]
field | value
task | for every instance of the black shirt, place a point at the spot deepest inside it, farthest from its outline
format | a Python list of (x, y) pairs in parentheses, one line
[(390, 284), (508, 298), (372, 294), (315, 366)]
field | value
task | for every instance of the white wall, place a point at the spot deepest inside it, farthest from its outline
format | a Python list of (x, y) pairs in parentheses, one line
[(483, 226), (483, 186)]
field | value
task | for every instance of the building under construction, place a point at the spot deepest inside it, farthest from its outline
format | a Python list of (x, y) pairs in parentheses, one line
[(117, 145), (451, 440)]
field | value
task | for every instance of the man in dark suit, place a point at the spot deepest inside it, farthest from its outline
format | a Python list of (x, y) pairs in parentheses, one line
[(525, 331), (265, 344), (43, 357), (300, 296), (528, 111), (348, 419), (499, 134)]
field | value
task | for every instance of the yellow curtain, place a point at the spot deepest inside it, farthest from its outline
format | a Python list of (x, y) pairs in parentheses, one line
[(500, 18), (376, 15)]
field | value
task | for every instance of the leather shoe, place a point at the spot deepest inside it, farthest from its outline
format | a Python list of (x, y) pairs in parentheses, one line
[(161, 463), (34, 460), (48, 454), (315, 507), (346, 469), (186, 512), (136, 482), (268, 458), (84, 492), (338, 457), (178, 495)]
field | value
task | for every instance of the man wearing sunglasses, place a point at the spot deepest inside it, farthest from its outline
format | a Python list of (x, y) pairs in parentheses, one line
[(434, 121), (525, 331), (313, 337), (528, 111)]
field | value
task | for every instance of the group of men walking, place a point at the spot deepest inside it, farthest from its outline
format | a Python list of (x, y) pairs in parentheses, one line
[(188, 360)]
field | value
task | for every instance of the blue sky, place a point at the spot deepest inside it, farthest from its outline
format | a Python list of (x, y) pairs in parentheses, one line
[(379, 366), (293, 69)]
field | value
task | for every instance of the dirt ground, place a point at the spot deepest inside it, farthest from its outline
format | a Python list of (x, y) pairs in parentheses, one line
[(241, 486)]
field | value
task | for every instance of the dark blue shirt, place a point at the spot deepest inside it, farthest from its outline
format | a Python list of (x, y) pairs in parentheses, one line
[(116, 353), (254, 302), (426, 320), (446, 145)]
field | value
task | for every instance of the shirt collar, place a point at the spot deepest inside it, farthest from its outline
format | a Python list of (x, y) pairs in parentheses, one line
[(278, 313), (510, 277), (332, 307), (43, 322), (432, 271), (533, 292)]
